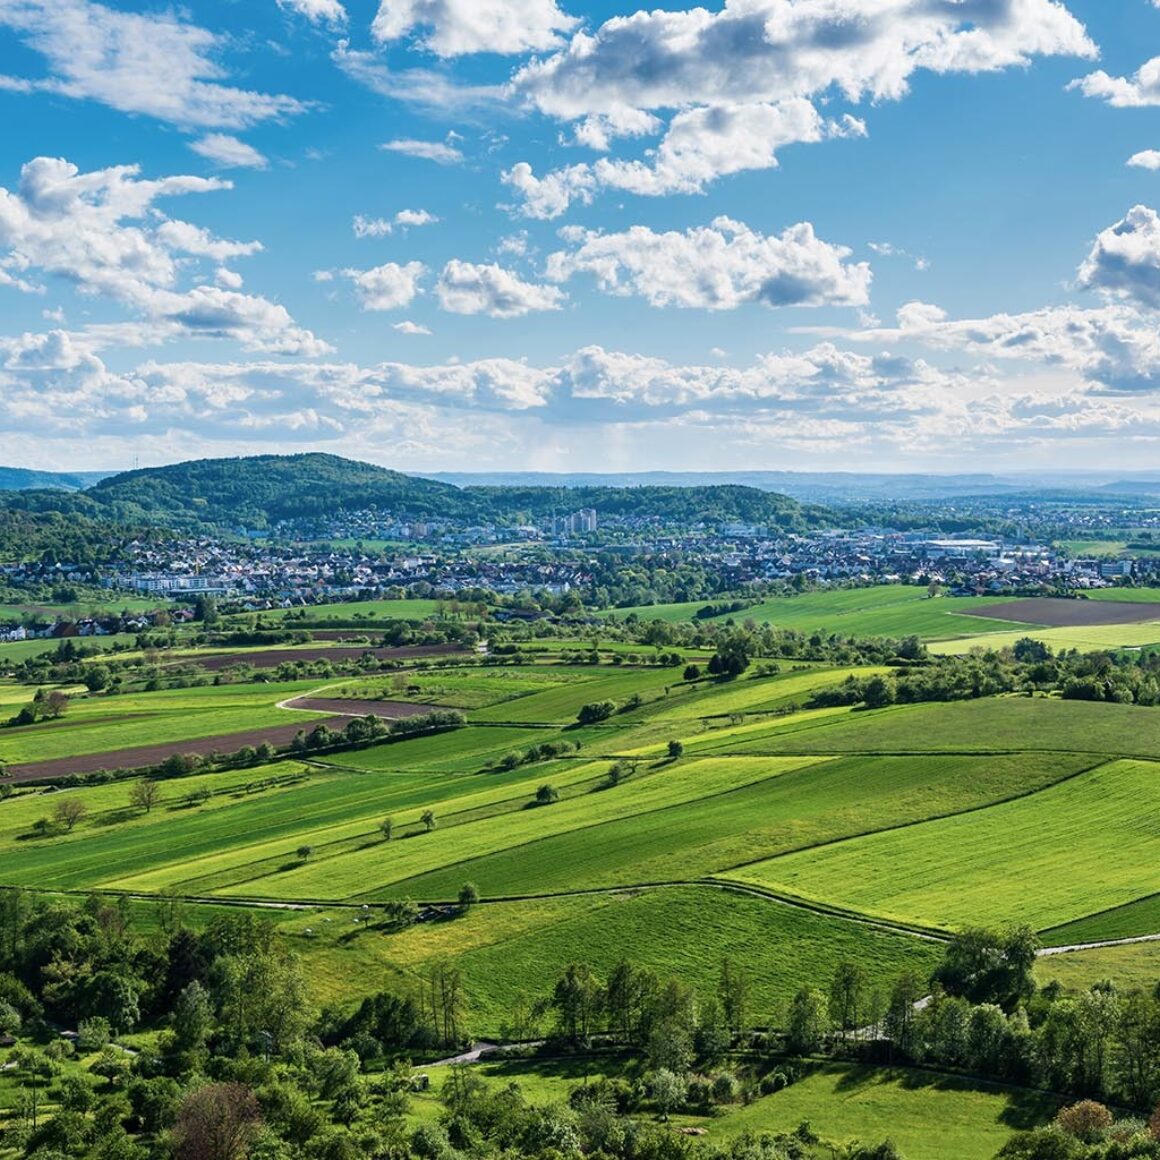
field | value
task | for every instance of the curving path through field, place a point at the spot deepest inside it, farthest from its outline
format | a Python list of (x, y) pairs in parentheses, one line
[(329, 711)]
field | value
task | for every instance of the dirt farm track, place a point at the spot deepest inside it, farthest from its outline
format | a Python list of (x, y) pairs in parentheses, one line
[(1050, 612)]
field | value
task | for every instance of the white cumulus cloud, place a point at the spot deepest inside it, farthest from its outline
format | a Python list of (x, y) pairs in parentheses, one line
[(365, 227), (1138, 91), (387, 287), (1146, 159), (739, 83), (466, 288), (460, 27), (716, 267), (317, 11), (103, 233), (1124, 262)]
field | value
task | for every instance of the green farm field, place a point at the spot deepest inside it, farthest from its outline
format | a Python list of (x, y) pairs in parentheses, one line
[(801, 808), (886, 610), (323, 615), (956, 871), (989, 725), (1132, 966), (788, 839), (20, 650), (1131, 920), (366, 872), (1091, 638)]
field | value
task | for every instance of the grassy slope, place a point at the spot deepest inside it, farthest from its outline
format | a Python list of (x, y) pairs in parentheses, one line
[(344, 821), (509, 949), (928, 1116), (1133, 966), (361, 872), (753, 694), (1131, 921), (1010, 863)]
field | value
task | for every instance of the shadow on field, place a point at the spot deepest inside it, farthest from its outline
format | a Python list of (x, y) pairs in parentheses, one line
[(113, 818), (1024, 1109), (578, 1069)]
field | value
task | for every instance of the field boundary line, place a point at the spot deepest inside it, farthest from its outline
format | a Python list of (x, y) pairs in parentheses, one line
[(721, 885)]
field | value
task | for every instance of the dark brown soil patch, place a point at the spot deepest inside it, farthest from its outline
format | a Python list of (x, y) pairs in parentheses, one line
[(1059, 612), (350, 707)]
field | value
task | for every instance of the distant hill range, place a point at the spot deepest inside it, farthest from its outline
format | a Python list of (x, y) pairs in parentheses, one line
[(835, 486), (22, 479), (259, 491)]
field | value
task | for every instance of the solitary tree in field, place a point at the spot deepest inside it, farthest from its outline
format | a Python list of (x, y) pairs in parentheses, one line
[(68, 811), (144, 795), (304, 853), (468, 895), (617, 772), (676, 749), (428, 820), (546, 795), (667, 1090), (387, 827)]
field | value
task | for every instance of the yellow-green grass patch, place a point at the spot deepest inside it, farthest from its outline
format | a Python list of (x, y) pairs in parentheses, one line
[(1082, 846)]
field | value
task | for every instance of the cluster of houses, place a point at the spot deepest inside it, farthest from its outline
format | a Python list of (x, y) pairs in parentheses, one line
[(265, 575)]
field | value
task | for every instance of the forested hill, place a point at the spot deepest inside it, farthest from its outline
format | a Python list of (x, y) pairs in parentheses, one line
[(685, 505), (261, 490), (258, 492)]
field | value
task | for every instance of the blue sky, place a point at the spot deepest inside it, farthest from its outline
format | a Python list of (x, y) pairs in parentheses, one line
[(553, 235)]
